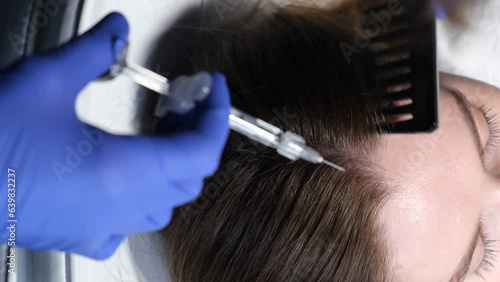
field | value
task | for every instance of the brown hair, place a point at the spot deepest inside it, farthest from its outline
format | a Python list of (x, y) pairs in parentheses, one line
[(262, 217)]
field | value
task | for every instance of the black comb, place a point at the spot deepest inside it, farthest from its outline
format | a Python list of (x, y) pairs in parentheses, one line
[(402, 63)]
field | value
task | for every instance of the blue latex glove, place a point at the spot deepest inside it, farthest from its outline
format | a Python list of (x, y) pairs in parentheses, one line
[(79, 189), (440, 11)]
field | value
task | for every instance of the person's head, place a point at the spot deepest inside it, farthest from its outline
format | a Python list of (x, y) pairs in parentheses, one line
[(407, 207)]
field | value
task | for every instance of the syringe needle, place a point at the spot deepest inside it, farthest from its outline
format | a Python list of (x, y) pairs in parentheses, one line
[(334, 165)]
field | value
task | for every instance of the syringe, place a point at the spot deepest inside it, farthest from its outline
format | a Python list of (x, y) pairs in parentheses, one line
[(286, 143), (290, 145), (181, 95)]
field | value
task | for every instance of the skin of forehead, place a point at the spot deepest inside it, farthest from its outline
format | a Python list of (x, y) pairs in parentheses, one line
[(434, 202)]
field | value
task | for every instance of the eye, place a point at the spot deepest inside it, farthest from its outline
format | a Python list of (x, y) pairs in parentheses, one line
[(490, 254), (494, 130)]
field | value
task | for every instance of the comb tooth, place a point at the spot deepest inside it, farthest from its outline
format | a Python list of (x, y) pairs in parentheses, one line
[(399, 110), (382, 75), (391, 51), (388, 58), (387, 97), (391, 58), (390, 36), (392, 97), (391, 65), (394, 81)]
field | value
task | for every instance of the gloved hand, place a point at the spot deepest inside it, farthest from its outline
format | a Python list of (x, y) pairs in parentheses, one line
[(77, 188)]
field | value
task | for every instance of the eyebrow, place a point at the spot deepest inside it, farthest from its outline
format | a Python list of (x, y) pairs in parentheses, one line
[(466, 110)]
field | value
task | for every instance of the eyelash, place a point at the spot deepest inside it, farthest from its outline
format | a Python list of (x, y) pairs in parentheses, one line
[(490, 254), (494, 128)]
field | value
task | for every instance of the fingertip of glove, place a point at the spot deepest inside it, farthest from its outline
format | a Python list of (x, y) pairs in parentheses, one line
[(221, 89), (219, 77), (115, 24)]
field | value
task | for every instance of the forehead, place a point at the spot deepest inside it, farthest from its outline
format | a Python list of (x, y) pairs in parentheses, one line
[(434, 176)]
